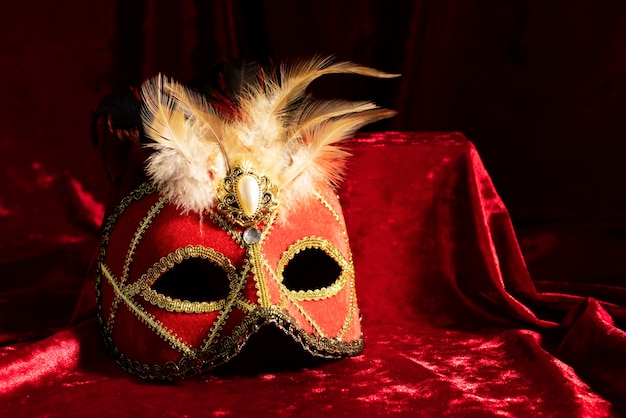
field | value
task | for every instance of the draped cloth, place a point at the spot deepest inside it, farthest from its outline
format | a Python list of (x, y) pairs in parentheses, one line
[(454, 325)]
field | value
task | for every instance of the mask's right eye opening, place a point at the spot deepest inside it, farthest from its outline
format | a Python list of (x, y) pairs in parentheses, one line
[(194, 280), (311, 269)]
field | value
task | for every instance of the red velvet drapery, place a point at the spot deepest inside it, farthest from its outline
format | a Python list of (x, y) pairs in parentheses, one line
[(538, 87), (453, 324)]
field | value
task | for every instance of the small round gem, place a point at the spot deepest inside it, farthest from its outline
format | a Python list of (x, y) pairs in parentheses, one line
[(251, 235)]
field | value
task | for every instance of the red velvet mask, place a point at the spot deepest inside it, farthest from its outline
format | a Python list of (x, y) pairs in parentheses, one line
[(233, 231)]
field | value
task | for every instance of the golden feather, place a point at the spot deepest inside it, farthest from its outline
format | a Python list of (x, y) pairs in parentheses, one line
[(187, 158), (278, 131), (163, 119)]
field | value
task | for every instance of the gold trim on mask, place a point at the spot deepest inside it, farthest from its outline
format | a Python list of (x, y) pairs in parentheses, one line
[(178, 305), (347, 270), (218, 348), (353, 299), (229, 346), (143, 226), (168, 262), (338, 218), (234, 298), (147, 318), (255, 260), (141, 191)]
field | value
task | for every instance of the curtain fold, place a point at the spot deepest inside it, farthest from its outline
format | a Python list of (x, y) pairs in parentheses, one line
[(539, 88)]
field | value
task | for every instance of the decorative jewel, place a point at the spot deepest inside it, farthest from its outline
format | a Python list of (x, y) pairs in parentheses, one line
[(251, 235), (246, 198), (248, 194)]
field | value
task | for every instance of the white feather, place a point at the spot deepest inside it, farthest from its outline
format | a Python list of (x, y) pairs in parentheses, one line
[(278, 131)]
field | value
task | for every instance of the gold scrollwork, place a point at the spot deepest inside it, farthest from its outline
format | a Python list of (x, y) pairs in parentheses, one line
[(229, 202)]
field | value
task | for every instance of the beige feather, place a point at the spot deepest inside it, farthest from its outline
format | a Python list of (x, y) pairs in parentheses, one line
[(310, 115), (279, 132), (324, 154), (296, 78), (185, 165), (210, 121), (164, 121)]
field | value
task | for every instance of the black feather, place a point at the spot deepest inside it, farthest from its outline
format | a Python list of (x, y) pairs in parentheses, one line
[(124, 111)]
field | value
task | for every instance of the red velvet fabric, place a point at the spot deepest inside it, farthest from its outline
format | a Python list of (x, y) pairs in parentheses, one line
[(453, 323)]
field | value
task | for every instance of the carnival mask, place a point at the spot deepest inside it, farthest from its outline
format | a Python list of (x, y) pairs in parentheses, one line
[(237, 225)]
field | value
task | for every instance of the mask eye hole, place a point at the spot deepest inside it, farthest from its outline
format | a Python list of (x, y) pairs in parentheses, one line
[(194, 280), (310, 269)]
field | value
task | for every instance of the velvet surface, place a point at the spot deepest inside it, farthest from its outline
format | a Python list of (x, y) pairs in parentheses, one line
[(454, 325)]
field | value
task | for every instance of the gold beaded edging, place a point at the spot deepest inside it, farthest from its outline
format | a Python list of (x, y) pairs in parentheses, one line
[(231, 302), (328, 206), (167, 262), (143, 226), (347, 269), (347, 274), (229, 346), (255, 258), (177, 305), (141, 191), (148, 319), (351, 307)]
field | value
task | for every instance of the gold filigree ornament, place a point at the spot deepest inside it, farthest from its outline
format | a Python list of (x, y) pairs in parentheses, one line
[(246, 199)]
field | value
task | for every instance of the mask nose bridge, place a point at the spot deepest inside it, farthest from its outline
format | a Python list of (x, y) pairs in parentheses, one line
[(267, 289)]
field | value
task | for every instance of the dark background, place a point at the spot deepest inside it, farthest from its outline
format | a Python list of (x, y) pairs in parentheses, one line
[(537, 86)]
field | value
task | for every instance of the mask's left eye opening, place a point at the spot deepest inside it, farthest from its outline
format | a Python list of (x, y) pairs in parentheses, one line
[(194, 280), (311, 269)]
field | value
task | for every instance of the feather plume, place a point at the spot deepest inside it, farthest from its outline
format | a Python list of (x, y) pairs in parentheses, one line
[(186, 163), (276, 129)]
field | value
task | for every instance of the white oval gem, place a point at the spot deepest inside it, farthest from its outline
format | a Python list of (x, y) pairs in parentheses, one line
[(248, 193)]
